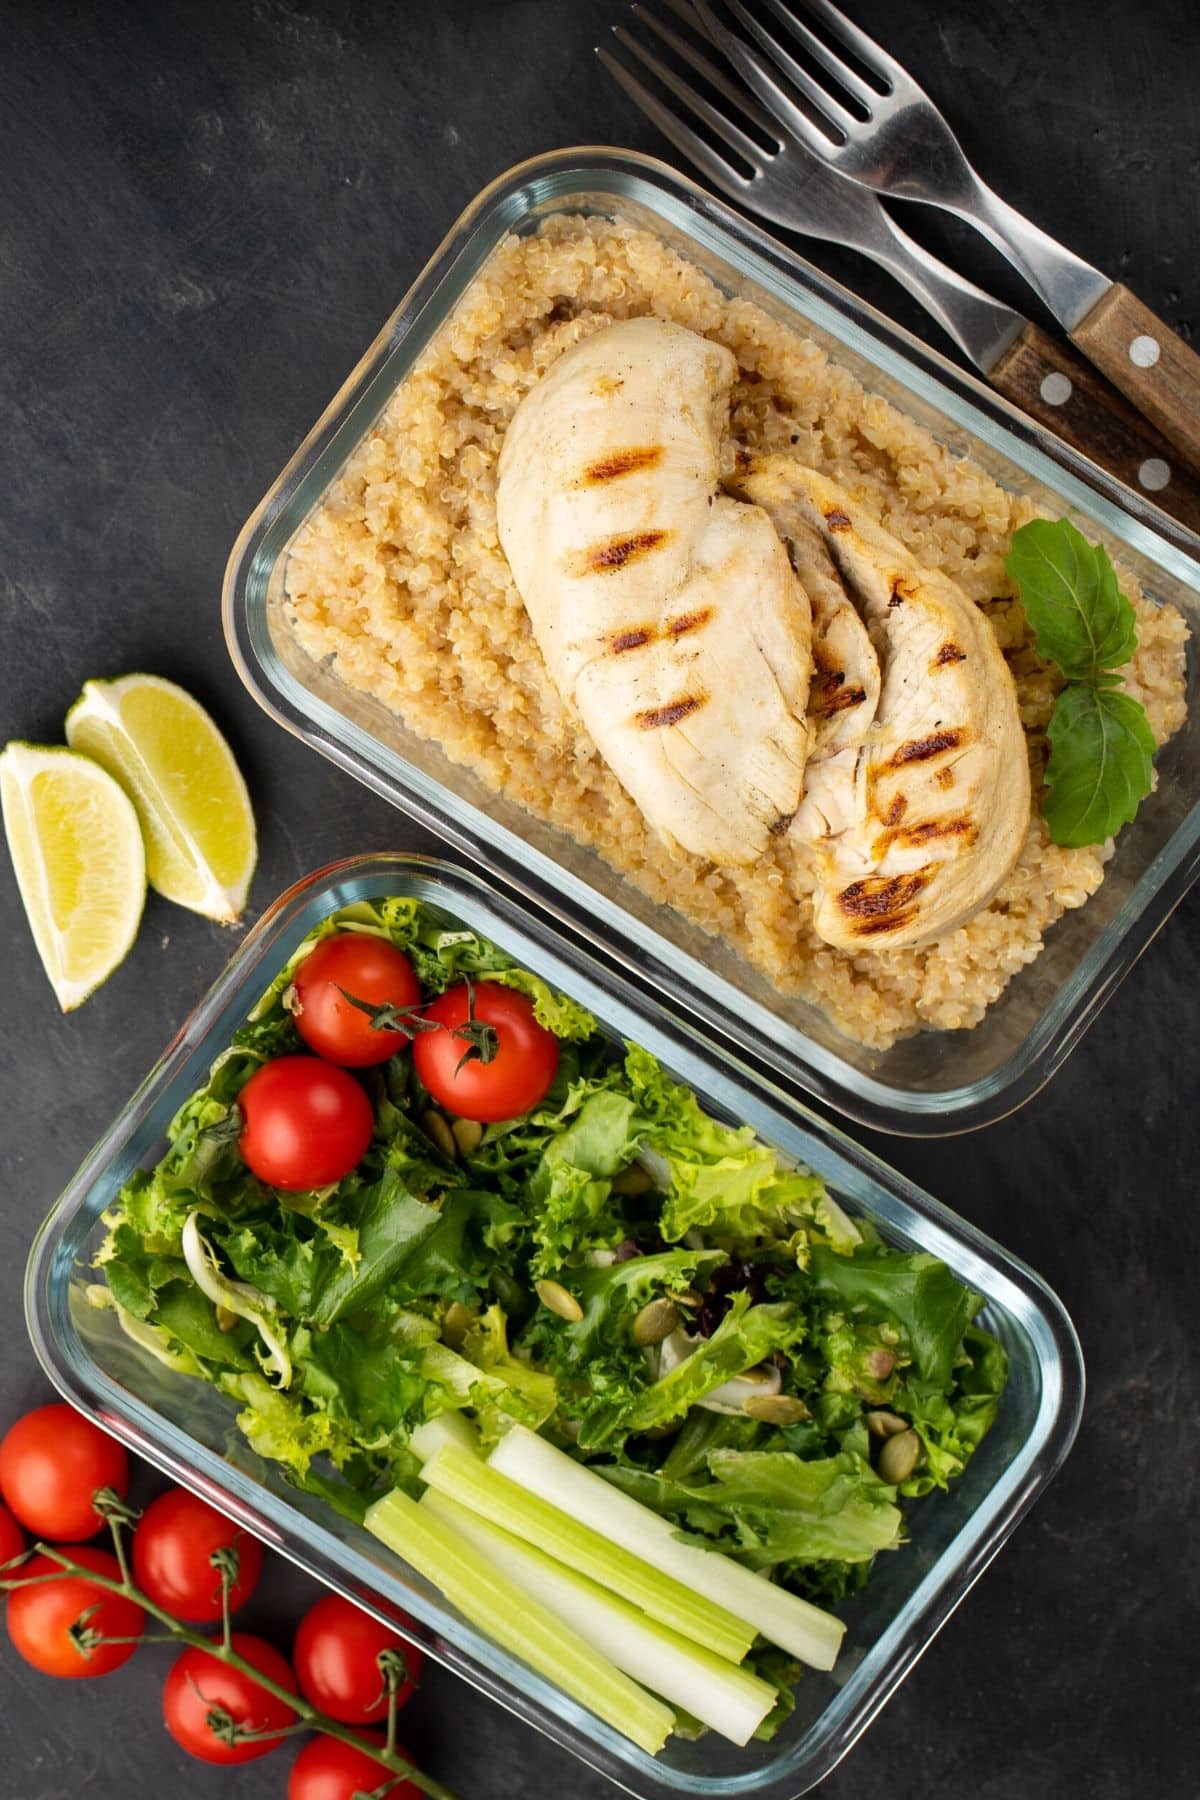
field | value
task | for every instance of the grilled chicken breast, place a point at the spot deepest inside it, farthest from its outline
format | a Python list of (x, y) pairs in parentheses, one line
[(667, 613), (844, 695), (941, 793)]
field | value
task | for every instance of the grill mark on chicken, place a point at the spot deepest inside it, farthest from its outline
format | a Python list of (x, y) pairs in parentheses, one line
[(945, 777), (619, 552), (781, 824), (923, 749), (837, 520), (914, 837), (689, 621), (835, 697), (622, 462), (949, 653), (880, 903), (631, 640), (896, 810), (660, 716)]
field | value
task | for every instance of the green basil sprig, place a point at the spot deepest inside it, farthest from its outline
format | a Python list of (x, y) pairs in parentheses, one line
[(1101, 743)]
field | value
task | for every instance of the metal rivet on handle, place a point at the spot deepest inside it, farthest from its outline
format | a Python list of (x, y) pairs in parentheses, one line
[(1154, 474), (1144, 352), (1056, 389)]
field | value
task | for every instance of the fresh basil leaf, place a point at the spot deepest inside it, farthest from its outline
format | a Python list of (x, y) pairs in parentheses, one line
[(1100, 769), (1080, 618)]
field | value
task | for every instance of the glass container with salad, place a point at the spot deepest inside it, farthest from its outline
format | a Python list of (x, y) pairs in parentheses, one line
[(686, 1420)]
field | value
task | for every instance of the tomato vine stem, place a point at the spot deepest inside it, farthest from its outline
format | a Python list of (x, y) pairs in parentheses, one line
[(120, 1517)]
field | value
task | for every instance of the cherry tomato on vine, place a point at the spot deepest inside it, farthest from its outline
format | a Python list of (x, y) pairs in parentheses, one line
[(335, 1659), (328, 1770), (39, 1617), (172, 1550), (368, 968), (306, 1123), (522, 1065), (51, 1463), (12, 1538), (199, 1684)]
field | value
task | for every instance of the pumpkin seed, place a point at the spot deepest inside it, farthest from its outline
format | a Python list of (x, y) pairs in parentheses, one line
[(553, 1295), (456, 1322), (656, 1321), (884, 1424), (759, 1377), (899, 1457), (683, 1296), (632, 1180), (468, 1134), (775, 1409), (439, 1133)]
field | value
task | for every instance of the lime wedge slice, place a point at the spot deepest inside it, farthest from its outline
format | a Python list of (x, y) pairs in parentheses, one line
[(172, 761), (77, 849)]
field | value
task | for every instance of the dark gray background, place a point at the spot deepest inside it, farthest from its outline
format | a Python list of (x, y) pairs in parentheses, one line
[(208, 210)]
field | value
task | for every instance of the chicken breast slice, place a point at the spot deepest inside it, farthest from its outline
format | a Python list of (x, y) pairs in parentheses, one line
[(942, 792), (668, 614), (844, 695)]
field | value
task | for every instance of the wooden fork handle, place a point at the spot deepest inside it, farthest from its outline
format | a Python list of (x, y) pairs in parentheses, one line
[(1046, 378), (1150, 364)]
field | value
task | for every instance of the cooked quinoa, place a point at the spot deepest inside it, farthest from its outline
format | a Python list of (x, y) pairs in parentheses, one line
[(400, 579)]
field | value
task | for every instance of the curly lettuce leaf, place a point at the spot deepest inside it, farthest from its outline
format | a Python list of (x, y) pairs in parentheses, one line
[(917, 1291), (571, 1188), (746, 1336), (767, 1507), (722, 1180), (531, 1394), (952, 1426)]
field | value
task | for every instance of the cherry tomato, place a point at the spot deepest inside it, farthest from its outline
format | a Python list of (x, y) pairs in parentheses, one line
[(328, 1770), (39, 1617), (368, 968), (172, 1552), (334, 1653), (519, 1073), (12, 1539), (307, 1123), (199, 1683), (51, 1463)]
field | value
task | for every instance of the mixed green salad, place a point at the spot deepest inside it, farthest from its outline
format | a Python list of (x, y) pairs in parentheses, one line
[(654, 1295)]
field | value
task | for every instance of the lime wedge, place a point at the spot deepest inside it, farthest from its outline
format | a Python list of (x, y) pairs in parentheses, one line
[(77, 850), (172, 761)]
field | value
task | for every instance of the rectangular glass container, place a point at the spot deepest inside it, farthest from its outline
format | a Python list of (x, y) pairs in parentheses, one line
[(186, 1428), (936, 1081)]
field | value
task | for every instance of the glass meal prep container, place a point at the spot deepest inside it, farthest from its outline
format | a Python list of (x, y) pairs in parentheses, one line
[(186, 1428), (933, 1082)]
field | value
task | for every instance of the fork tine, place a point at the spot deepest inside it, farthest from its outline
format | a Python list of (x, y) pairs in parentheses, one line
[(757, 75), (808, 85), (819, 50), (696, 103), (685, 140), (871, 55), (738, 96)]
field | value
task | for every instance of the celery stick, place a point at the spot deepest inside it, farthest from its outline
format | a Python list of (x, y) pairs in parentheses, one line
[(479, 1487), (506, 1613), (730, 1700), (445, 1428), (559, 1482)]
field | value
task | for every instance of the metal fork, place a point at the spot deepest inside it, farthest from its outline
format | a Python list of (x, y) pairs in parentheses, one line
[(903, 147), (790, 187), (793, 189)]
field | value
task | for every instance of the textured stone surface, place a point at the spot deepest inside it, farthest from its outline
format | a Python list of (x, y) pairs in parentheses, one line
[(208, 211)]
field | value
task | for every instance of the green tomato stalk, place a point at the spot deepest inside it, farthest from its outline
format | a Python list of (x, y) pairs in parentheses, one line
[(86, 1639)]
